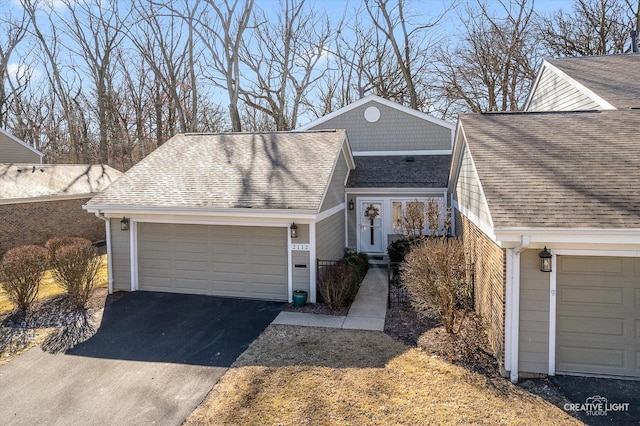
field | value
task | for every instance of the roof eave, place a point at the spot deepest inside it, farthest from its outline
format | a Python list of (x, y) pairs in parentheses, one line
[(508, 236)]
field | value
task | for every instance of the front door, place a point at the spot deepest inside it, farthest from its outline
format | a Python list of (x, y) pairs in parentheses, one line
[(370, 215)]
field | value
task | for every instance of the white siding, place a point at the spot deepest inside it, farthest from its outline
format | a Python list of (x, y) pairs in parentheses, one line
[(554, 93), (471, 201)]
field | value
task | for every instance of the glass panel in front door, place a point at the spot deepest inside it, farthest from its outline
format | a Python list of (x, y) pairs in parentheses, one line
[(371, 227)]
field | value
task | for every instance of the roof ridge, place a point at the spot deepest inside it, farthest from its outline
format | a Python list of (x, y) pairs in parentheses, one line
[(272, 132)]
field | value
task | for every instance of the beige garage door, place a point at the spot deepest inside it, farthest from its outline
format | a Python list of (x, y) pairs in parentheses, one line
[(598, 315), (235, 261)]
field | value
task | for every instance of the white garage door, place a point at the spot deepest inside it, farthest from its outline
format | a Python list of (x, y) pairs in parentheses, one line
[(598, 315), (235, 261)]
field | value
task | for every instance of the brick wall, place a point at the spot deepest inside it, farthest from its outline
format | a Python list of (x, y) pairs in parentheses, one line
[(34, 223), (489, 262)]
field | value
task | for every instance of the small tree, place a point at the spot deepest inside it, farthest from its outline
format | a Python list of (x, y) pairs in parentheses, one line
[(20, 272), (76, 266)]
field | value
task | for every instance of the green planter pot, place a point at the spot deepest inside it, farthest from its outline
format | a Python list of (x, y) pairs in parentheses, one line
[(299, 298)]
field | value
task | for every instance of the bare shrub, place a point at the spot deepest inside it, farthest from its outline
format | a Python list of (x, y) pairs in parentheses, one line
[(76, 267), (338, 285), (55, 243), (435, 273), (433, 217), (414, 218), (20, 272)]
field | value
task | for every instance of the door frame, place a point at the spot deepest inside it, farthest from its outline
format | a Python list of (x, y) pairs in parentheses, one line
[(384, 202)]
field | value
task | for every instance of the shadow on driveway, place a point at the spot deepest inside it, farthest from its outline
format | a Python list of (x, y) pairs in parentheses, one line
[(178, 328), (153, 359), (612, 393)]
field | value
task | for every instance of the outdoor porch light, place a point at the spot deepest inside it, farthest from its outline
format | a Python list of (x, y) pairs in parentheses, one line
[(294, 230), (351, 205), (545, 260), (124, 224)]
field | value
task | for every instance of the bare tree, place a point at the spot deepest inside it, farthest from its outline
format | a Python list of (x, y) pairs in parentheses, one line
[(221, 26), (408, 42), (13, 30), (594, 27), (285, 58), (492, 66)]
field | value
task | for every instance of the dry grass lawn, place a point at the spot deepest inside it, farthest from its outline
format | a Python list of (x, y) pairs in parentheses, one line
[(319, 376), (49, 288)]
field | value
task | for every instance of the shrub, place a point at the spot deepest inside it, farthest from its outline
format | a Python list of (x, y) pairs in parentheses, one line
[(76, 264), (398, 249), (435, 272), (338, 285), (20, 272), (359, 261)]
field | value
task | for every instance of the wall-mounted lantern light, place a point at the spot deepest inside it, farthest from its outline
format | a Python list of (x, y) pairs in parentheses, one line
[(351, 205), (124, 224), (545, 260), (294, 230)]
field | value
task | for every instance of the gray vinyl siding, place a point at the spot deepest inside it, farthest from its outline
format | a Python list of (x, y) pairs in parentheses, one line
[(330, 237), (395, 130), (121, 256), (554, 93), (233, 261), (534, 315), (352, 227), (468, 193), (300, 273), (335, 191), (13, 152)]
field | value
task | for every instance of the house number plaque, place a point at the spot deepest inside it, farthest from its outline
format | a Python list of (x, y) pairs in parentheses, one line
[(300, 247)]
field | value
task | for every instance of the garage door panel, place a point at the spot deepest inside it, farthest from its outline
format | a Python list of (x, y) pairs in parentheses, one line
[(218, 260), (592, 296), (598, 315), (612, 327)]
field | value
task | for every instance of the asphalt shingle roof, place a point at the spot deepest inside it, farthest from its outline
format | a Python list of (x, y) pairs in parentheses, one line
[(612, 77), (47, 180), (287, 170), (564, 170), (424, 171)]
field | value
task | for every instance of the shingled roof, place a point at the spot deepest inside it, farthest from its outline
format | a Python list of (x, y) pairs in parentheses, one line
[(612, 77), (413, 171), (558, 170), (23, 181), (279, 170)]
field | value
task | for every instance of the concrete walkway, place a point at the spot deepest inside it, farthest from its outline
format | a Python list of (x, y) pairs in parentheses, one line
[(367, 311)]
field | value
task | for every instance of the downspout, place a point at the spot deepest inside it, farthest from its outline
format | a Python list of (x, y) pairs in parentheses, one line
[(512, 320), (109, 257)]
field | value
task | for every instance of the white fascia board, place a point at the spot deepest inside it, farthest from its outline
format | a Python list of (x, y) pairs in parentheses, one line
[(456, 159), (509, 237), (350, 165), (378, 99), (194, 212), (535, 85), (348, 153), (393, 192), (23, 143), (424, 152), (581, 87), (45, 198)]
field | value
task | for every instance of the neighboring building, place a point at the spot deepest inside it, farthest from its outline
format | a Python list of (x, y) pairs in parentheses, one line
[(567, 180), (401, 156), (213, 214), (41, 201), (13, 150)]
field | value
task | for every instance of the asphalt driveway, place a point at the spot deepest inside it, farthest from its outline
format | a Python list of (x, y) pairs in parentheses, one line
[(152, 361), (601, 401)]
